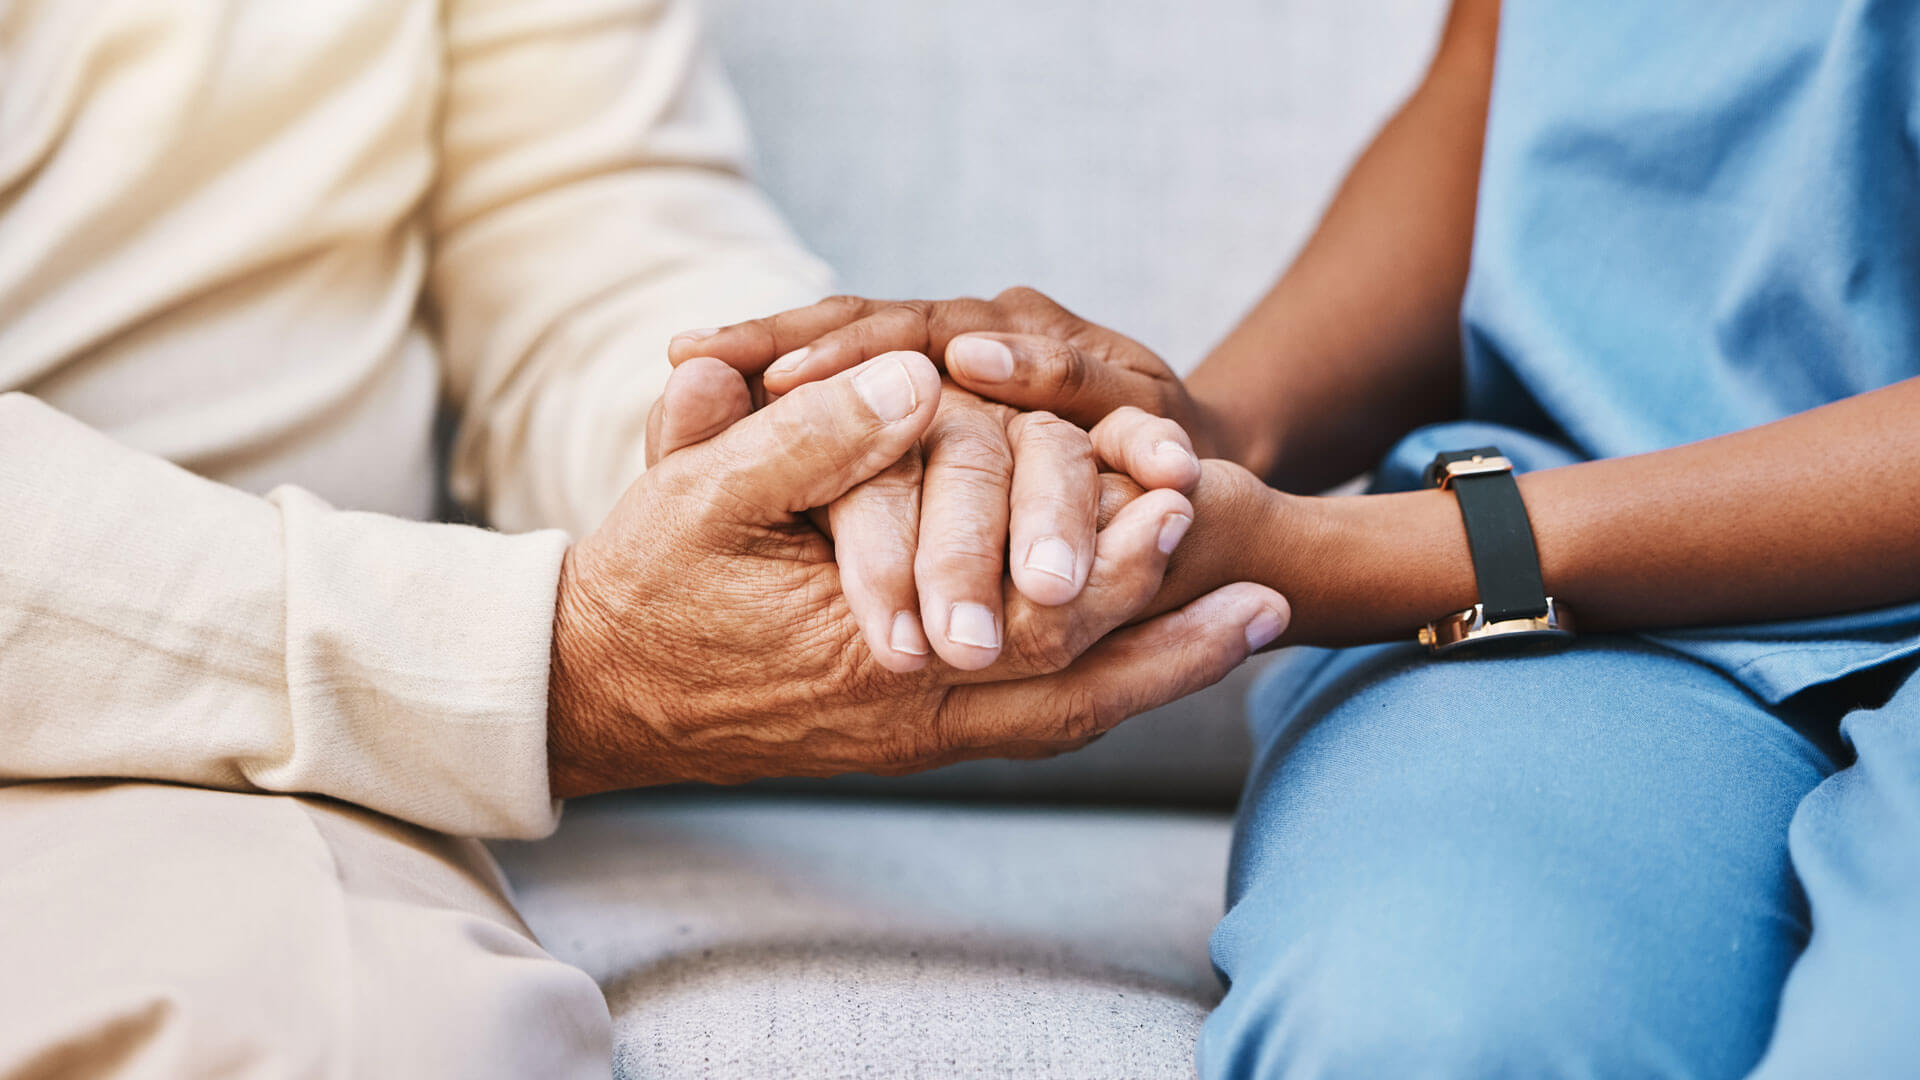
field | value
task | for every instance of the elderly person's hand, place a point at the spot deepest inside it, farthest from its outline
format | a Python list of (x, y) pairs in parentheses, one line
[(702, 632), (989, 490)]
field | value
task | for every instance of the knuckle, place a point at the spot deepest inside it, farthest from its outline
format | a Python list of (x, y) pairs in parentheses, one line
[(951, 558), (1048, 429), (764, 330), (970, 453), (844, 305), (1046, 650), (1082, 715), (899, 752), (1098, 349), (892, 495), (965, 504), (947, 319), (868, 337), (1058, 370), (902, 325), (1162, 428), (803, 420), (944, 735), (1046, 419), (1039, 313), (1023, 296)]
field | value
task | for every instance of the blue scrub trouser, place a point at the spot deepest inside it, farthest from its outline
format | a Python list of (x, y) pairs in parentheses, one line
[(1607, 861)]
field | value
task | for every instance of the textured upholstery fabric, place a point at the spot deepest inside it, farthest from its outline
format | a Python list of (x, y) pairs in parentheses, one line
[(744, 936)]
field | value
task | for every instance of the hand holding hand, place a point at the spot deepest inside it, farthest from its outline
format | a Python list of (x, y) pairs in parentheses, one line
[(925, 548), (922, 548), (702, 632), (923, 544)]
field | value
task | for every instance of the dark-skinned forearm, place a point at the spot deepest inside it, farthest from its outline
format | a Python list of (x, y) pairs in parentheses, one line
[(1815, 514), (1359, 342)]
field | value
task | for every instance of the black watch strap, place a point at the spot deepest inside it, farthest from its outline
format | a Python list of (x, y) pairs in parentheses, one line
[(1505, 562)]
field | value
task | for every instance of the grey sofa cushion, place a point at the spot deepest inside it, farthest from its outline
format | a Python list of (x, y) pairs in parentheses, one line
[(766, 937), (1151, 164)]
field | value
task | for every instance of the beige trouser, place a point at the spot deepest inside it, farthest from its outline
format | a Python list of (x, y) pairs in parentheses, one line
[(152, 930)]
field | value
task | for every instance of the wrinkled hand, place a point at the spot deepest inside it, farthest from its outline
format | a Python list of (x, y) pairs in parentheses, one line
[(922, 548), (702, 632), (1019, 348), (987, 491)]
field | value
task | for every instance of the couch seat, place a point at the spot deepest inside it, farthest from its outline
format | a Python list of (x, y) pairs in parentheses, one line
[(755, 935)]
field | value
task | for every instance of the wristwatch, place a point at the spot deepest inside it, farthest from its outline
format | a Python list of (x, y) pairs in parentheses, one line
[(1514, 607)]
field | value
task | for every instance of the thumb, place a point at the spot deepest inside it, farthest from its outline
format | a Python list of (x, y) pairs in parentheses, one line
[(813, 445), (1126, 673), (1037, 372), (703, 398)]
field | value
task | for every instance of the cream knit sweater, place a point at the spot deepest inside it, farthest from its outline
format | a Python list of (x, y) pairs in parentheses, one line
[(260, 240)]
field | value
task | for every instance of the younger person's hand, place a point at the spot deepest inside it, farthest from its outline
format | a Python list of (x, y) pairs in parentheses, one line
[(1243, 531), (1020, 348)]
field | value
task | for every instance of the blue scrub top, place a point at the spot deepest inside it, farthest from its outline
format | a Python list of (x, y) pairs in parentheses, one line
[(1695, 217)]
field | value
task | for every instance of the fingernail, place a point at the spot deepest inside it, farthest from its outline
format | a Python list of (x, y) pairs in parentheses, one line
[(982, 358), (1052, 555), (695, 335), (1167, 448), (886, 388), (906, 637), (1263, 629), (1172, 531), (973, 624), (789, 362)]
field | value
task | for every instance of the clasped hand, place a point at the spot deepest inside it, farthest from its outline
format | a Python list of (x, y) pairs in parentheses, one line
[(1044, 417), (706, 631)]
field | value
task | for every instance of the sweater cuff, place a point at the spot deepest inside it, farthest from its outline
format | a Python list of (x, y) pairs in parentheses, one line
[(416, 661)]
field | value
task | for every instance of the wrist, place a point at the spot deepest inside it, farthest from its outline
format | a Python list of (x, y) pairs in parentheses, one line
[(1371, 568), (1220, 430), (587, 723)]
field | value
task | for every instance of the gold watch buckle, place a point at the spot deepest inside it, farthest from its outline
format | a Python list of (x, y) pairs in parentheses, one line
[(1473, 466), (1471, 627)]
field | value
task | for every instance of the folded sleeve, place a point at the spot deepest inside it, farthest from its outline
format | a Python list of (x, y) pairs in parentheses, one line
[(156, 625), (592, 203)]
